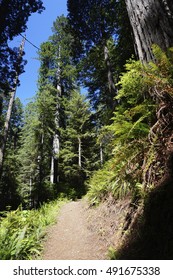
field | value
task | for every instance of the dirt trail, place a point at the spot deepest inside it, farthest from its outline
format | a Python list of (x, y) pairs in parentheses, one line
[(72, 238)]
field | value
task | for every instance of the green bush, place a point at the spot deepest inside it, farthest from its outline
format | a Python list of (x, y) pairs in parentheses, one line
[(21, 231)]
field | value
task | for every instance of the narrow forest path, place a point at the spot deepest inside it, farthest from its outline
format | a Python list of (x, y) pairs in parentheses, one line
[(72, 238)]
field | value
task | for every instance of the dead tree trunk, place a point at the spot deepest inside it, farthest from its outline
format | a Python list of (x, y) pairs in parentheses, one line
[(152, 22)]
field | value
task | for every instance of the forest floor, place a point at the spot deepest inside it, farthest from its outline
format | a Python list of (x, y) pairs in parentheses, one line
[(85, 233)]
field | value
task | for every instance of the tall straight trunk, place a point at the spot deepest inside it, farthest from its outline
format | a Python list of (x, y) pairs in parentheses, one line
[(54, 177), (40, 159), (31, 203), (111, 82), (6, 128), (9, 111), (101, 154), (79, 152), (152, 23)]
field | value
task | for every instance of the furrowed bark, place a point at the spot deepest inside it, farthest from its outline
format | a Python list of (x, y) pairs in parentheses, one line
[(152, 22)]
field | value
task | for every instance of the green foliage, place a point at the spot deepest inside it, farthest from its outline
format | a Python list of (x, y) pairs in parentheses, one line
[(9, 178), (78, 134), (129, 129), (120, 175), (112, 253), (62, 40), (36, 146), (22, 231), (93, 75), (93, 29), (14, 16), (58, 109), (150, 236), (132, 154)]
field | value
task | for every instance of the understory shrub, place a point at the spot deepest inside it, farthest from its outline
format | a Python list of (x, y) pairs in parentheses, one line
[(140, 120), (21, 231)]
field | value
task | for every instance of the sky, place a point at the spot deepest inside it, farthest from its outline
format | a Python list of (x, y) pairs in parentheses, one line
[(39, 30)]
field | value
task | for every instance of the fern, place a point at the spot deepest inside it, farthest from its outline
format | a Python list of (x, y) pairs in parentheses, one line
[(129, 129), (21, 231), (140, 87)]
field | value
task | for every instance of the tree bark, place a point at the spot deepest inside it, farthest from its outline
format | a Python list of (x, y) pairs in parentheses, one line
[(6, 128), (111, 82), (152, 22), (101, 154), (79, 152), (54, 178)]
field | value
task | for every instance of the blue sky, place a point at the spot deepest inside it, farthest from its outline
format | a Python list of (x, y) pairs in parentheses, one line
[(39, 30)]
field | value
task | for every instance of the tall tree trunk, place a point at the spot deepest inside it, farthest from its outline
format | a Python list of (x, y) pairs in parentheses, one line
[(40, 159), (9, 111), (54, 178), (101, 154), (111, 82), (79, 152), (6, 128), (31, 203), (152, 22)]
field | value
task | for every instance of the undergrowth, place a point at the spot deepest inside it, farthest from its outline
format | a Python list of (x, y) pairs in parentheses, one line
[(21, 231), (140, 121), (122, 173), (142, 159)]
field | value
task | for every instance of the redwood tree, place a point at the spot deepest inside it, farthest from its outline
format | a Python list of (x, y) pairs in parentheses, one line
[(151, 236), (152, 22)]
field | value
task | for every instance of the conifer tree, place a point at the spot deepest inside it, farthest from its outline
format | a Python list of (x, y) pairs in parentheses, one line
[(14, 17), (98, 44), (10, 106), (9, 180), (61, 73), (77, 156), (45, 118), (34, 154)]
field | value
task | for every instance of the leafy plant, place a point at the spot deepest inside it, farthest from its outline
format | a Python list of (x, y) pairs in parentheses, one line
[(21, 231), (112, 253), (129, 129)]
